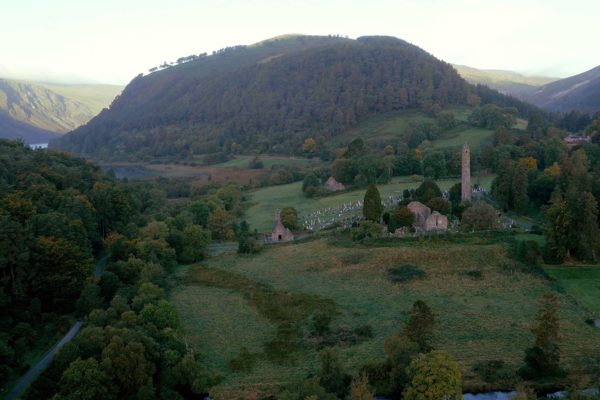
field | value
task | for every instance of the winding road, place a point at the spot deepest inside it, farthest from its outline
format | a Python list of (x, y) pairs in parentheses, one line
[(37, 369)]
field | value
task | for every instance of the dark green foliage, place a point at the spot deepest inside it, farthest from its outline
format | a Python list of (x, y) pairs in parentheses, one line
[(480, 216), (247, 243), (543, 359), (256, 163), (401, 218), (220, 103), (308, 389), (389, 377), (434, 165), (491, 116), (405, 273), (419, 326), (372, 207), (495, 372), (528, 251), (289, 218), (332, 376), (54, 212), (367, 229), (346, 337), (427, 191), (321, 324)]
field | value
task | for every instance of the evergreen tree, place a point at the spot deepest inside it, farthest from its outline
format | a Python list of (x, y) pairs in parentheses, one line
[(331, 374), (543, 359), (372, 207), (419, 327)]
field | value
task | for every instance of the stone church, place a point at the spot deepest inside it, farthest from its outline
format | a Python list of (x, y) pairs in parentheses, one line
[(280, 233), (426, 220)]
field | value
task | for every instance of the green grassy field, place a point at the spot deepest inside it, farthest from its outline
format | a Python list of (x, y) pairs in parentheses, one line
[(264, 201), (472, 136), (583, 283), (233, 302)]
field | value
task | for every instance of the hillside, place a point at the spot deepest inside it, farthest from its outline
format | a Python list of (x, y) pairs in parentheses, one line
[(52, 107), (267, 97), (11, 128), (580, 92), (506, 82)]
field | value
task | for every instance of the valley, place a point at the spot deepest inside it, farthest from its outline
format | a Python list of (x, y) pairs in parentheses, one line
[(301, 218)]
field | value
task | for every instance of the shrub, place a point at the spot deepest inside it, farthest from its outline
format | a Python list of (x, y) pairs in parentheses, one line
[(256, 163), (367, 229), (494, 371), (405, 273), (480, 216)]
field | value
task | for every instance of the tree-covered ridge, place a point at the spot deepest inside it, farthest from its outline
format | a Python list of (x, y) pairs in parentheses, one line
[(271, 103), (54, 210)]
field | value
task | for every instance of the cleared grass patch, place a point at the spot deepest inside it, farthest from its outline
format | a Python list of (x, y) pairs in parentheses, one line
[(478, 320), (217, 318), (473, 136)]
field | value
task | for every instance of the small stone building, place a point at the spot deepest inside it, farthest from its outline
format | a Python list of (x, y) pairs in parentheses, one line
[(426, 220), (280, 233), (334, 185), (436, 222)]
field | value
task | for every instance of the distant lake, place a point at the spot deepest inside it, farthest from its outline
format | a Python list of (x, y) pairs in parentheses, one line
[(36, 146)]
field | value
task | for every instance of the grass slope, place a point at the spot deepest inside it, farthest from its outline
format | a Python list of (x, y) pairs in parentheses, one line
[(264, 201), (583, 283), (478, 319)]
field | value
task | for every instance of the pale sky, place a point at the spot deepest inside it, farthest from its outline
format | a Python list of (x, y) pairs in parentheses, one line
[(111, 41)]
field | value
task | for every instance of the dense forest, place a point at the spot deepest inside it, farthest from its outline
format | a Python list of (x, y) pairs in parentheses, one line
[(59, 214), (268, 104)]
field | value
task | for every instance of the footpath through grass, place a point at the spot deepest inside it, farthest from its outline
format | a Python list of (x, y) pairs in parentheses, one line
[(484, 304)]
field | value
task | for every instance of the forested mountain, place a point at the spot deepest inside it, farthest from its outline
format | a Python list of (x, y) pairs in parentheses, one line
[(38, 107), (506, 82), (580, 92), (270, 96)]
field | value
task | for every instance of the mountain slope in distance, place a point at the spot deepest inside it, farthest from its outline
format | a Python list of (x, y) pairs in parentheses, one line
[(54, 107), (506, 82), (580, 92), (266, 97), (11, 128)]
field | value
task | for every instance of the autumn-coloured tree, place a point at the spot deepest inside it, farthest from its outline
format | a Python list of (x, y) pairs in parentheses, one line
[(433, 376), (309, 145)]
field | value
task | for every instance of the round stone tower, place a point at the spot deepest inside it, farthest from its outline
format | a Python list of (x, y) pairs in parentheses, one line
[(466, 174)]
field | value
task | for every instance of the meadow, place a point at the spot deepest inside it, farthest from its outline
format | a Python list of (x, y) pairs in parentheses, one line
[(581, 282), (234, 306), (263, 202)]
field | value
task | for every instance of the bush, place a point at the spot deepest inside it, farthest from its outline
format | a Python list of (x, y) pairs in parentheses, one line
[(256, 163), (494, 371), (479, 217), (367, 229), (405, 273)]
